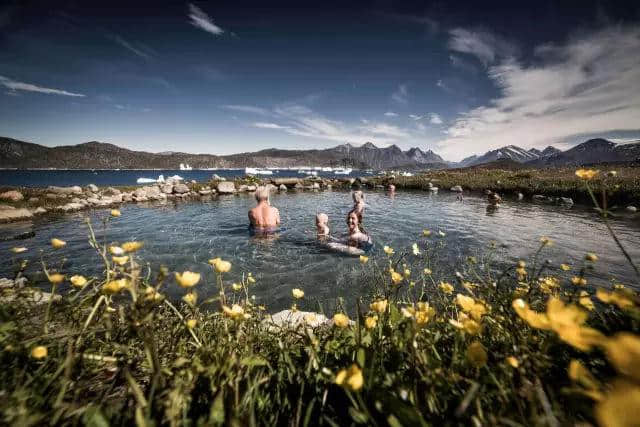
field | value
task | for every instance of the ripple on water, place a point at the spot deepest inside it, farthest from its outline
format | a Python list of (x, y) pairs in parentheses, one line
[(184, 236)]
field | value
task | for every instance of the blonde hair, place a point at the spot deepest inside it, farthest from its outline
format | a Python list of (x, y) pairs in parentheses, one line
[(322, 218), (262, 193)]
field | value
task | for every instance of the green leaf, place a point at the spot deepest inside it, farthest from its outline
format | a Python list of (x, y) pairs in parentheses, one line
[(93, 418), (252, 361), (216, 416)]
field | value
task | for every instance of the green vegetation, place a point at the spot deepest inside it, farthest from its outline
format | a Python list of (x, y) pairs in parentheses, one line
[(531, 345), (623, 189)]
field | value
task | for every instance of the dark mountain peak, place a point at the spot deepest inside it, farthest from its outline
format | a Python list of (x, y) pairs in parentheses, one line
[(535, 151), (595, 143), (369, 145), (394, 148), (550, 150)]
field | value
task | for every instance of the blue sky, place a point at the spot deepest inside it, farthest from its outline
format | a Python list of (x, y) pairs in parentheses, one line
[(215, 77)]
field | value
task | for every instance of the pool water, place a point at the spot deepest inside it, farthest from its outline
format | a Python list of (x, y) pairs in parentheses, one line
[(185, 235)]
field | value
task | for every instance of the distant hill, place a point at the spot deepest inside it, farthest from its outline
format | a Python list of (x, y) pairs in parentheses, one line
[(591, 152), (98, 155)]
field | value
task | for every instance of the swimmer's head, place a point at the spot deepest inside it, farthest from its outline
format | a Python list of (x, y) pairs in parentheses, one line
[(353, 222), (322, 219), (358, 196), (392, 187), (262, 194)]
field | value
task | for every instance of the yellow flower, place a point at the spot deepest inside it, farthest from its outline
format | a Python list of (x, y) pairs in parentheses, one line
[(407, 273), (470, 326), (132, 246), (591, 257), (151, 294), (513, 362), (364, 259), (388, 250), (618, 298), (236, 312), (441, 233), (476, 354), (533, 318), (522, 273), (191, 323), (115, 286), (340, 320), (236, 286), (187, 279), (586, 174), (422, 314), (567, 321), (57, 243), (190, 298), (546, 241), (548, 284), (578, 281), (297, 293), (565, 267), (427, 271), (396, 277), (78, 281), (612, 174), (39, 352), (416, 250), (370, 322), (623, 351), (578, 373), (446, 287), (351, 378), (475, 309), (294, 308), (115, 213), (616, 408), (56, 278), (379, 306), (18, 250), (116, 250), (120, 260), (220, 266), (250, 278), (586, 302), (426, 233)]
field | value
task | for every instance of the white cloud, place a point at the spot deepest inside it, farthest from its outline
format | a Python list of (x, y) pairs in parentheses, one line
[(401, 95), (247, 109), (415, 117), (587, 85), (263, 125), (435, 119), (14, 85), (391, 114), (486, 46), (203, 21), (137, 50)]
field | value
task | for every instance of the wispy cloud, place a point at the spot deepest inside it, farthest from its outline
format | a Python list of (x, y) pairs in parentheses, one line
[(391, 114), (263, 125), (415, 117), (139, 50), (588, 85), (401, 95), (435, 119), (484, 45), (203, 21), (28, 87), (247, 109)]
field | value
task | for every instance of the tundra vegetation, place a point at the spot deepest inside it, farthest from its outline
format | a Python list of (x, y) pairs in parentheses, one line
[(426, 344)]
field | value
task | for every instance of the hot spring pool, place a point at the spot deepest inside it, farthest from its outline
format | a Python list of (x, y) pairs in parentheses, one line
[(184, 235)]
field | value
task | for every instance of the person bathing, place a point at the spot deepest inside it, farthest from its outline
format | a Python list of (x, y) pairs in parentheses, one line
[(358, 204), (357, 238), (322, 224), (264, 216)]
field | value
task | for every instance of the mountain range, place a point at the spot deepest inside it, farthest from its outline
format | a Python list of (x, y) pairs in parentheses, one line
[(99, 155)]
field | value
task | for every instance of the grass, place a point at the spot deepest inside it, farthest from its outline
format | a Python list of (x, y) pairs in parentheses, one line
[(530, 345), (623, 189)]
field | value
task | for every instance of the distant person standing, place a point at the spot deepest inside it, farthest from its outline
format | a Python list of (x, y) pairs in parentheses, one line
[(264, 216)]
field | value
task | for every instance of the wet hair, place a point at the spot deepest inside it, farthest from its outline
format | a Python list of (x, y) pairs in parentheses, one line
[(262, 193), (322, 217), (358, 196)]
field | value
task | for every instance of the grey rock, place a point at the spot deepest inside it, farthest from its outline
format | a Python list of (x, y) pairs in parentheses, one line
[(456, 188), (70, 207), (204, 192), (290, 182), (127, 197), (65, 190), (298, 186), (111, 191), (225, 187), (243, 188), (539, 197), (7, 215), (12, 195), (34, 199), (568, 201), (316, 186), (39, 211), (180, 188), (167, 189), (631, 208), (139, 193), (93, 188), (288, 319), (153, 192), (282, 187), (251, 188), (520, 196)]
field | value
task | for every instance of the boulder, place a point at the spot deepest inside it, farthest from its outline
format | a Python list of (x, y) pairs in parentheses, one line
[(567, 201), (225, 187), (153, 192), (93, 188), (12, 195), (167, 189), (433, 189), (127, 197), (298, 186), (140, 193), (251, 188), (282, 187), (631, 208), (456, 189), (539, 197), (204, 192), (70, 207), (294, 319), (7, 215), (34, 199), (110, 191), (65, 190), (519, 196), (39, 211), (316, 186), (243, 188), (180, 188), (116, 198), (289, 182)]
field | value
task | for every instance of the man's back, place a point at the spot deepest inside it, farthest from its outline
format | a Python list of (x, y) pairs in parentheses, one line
[(264, 216)]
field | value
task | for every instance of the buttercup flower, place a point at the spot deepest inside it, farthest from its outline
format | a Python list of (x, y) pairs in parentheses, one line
[(340, 320), (116, 250), (379, 306), (56, 278), (297, 293), (578, 281), (190, 298), (78, 281), (39, 352), (120, 260), (57, 243), (591, 257), (364, 259), (578, 373), (351, 378), (546, 241), (250, 278), (191, 323), (512, 361), (132, 246), (370, 322), (446, 287), (618, 298), (18, 250), (587, 174), (236, 312), (475, 309), (236, 286), (220, 266), (388, 250), (623, 351), (115, 213), (614, 409), (427, 271), (396, 277), (187, 279), (565, 267), (422, 313), (115, 286), (426, 233)]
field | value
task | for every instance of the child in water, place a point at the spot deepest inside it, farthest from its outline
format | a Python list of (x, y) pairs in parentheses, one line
[(322, 225)]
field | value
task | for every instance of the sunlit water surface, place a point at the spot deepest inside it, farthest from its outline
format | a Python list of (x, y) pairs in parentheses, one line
[(185, 235)]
